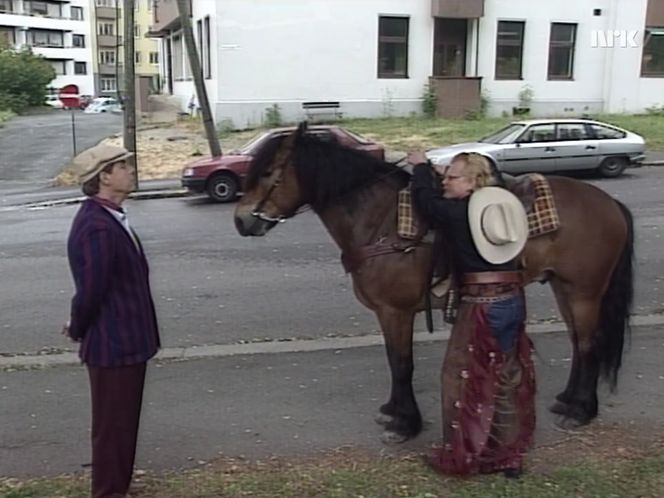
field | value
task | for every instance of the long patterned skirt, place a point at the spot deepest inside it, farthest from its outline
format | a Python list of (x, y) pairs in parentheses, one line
[(488, 385)]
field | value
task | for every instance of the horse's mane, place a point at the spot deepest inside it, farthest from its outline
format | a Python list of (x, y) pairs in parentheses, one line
[(327, 170)]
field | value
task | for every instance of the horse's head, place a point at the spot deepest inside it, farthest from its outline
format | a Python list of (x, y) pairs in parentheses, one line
[(272, 193)]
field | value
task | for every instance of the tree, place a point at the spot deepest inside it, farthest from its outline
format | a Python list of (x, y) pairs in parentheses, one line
[(24, 79)]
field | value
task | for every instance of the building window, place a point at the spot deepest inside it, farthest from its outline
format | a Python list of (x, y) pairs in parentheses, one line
[(77, 13), (199, 40), (137, 31), (6, 6), (449, 47), (7, 34), (154, 57), (107, 57), (137, 57), (561, 51), (106, 28), (43, 38), (176, 62), (78, 41), (207, 64), (59, 66), (108, 85), (39, 8), (509, 50), (392, 47), (80, 68), (652, 62), (106, 3)]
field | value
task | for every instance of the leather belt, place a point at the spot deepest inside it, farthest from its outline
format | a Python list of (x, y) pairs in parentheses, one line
[(493, 277)]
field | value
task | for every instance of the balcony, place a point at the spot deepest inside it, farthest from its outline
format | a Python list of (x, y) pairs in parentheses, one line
[(466, 9), (456, 96), (108, 40), (165, 17), (109, 69), (108, 13)]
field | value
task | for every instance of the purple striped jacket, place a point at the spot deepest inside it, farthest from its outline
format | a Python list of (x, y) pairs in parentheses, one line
[(112, 312)]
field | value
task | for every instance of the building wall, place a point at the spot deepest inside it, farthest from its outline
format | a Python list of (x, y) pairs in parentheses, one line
[(291, 51), (22, 23), (605, 79), (286, 52), (145, 46)]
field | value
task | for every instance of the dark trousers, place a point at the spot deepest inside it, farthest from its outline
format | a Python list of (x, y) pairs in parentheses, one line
[(117, 394)]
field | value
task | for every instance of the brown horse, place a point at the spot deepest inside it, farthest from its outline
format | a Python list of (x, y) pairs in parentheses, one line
[(588, 261)]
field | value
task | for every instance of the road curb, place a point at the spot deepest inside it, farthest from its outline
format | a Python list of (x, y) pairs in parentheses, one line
[(277, 347), (144, 195)]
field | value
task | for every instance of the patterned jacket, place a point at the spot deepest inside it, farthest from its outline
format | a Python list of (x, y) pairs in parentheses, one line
[(112, 312)]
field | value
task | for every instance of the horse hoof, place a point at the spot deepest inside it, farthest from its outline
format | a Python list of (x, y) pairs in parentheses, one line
[(389, 437), (559, 408), (384, 419), (568, 423)]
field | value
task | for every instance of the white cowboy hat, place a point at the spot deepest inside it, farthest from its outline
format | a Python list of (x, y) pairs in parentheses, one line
[(498, 224)]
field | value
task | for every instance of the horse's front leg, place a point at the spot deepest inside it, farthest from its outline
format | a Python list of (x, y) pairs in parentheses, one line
[(400, 414)]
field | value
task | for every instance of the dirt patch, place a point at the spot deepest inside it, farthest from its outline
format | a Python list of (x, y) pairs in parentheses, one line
[(163, 152)]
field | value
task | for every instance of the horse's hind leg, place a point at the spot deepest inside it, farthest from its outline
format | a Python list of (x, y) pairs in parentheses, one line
[(562, 298), (403, 419), (581, 392)]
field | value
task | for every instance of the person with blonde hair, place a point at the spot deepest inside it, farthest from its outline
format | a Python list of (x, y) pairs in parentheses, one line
[(488, 379)]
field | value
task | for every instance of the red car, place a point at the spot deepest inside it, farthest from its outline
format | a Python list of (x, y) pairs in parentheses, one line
[(221, 177)]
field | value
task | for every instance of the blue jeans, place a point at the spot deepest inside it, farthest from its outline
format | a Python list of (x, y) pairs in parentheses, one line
[(505, 319)]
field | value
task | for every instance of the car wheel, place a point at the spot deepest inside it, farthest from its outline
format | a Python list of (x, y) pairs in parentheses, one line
[(222, 188), (612, 166)]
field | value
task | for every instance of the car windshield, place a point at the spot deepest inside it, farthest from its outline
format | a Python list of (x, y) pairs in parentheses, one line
[(253, 144), (504, 135)]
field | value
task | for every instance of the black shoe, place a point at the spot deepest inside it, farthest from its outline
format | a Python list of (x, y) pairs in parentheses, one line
[(513, 473)]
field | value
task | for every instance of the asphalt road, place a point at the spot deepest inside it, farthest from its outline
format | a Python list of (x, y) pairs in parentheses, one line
[(35, 148), (213, 287), (297, 403)]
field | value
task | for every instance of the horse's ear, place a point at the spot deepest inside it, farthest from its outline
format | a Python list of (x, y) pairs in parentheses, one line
[(302, 128)]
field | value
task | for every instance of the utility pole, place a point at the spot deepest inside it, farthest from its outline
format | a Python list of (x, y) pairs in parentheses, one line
[(197, 73), (129, 135)]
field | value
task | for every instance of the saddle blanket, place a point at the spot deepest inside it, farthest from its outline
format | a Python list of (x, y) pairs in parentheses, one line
[(533, 190)]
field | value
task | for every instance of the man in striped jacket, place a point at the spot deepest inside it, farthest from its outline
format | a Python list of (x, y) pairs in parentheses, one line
[(112, 314)]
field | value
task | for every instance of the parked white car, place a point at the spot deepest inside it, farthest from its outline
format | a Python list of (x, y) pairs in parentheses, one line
[(553, 145), (103, 104), (54, 102)]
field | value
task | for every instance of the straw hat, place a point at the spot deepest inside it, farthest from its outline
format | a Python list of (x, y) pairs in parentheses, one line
[(90, 162), (498, 224)]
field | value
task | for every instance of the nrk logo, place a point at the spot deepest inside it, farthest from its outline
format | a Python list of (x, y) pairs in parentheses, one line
[(609, 38)]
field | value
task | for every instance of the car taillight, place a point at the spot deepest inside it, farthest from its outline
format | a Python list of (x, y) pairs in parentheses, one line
[(188, 172)]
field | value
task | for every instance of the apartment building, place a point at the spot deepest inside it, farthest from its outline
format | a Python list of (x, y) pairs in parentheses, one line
[(57, 30), (375, 58), (108, 26)]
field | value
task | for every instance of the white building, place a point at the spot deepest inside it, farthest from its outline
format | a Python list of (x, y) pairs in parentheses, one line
[(375, 57), (56, 30)]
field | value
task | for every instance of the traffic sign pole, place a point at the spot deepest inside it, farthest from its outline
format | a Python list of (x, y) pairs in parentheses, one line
[(70, 98)]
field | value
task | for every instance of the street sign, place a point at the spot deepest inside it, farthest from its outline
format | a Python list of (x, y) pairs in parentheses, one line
[(69, 96)]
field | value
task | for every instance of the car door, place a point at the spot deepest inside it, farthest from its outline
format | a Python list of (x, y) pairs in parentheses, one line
[(532, 150), (575, 148)]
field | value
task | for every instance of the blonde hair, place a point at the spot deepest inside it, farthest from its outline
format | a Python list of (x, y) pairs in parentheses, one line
[(476, 167)]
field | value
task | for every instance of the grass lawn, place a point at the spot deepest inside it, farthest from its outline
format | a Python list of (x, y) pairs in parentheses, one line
[(600, 462), (5, 116), (404, 134)]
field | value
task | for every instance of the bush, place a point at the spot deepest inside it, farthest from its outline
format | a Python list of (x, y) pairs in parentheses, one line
[(273, 116), (24, 78), (429, 101)]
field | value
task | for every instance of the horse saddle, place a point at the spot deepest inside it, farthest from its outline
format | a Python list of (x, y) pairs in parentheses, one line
[(532, 190)]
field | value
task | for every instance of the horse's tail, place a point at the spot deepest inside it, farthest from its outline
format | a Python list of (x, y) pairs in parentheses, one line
[(616, 307)]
